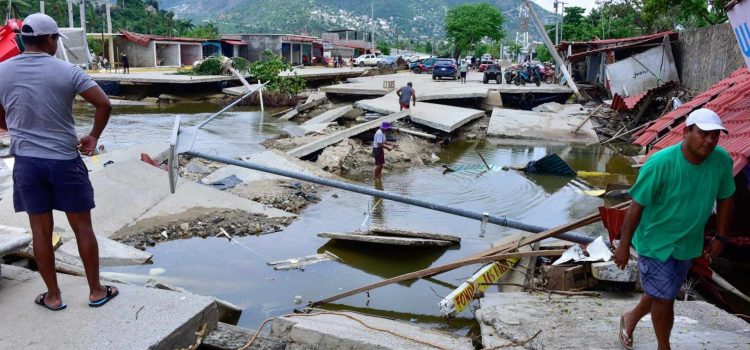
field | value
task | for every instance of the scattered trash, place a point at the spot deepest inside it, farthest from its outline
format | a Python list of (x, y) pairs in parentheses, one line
[(164, 234), (298, 299), (596, 251), (226, 183), (300, 263)]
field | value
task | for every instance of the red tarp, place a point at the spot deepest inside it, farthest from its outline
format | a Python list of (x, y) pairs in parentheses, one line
[(8, 46)]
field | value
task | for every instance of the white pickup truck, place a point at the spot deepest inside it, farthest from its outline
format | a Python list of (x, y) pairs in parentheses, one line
[(367, 60)]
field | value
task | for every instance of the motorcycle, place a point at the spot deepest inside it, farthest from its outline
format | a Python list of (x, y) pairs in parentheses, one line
[(528, 74), (548, 74), (510, 74)]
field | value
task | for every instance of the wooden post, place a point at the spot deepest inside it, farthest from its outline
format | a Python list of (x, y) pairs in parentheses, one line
[(539, 26), (585, 120)]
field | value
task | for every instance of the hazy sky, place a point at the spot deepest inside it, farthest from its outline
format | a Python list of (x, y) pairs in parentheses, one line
[(547, 4)]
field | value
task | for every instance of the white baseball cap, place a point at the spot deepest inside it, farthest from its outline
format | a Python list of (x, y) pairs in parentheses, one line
[(706, 120), (40, 24)]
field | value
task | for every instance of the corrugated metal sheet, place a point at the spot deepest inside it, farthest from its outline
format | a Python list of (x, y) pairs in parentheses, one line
[(144, 39), (626, 104), (730, 98), (599, 45)]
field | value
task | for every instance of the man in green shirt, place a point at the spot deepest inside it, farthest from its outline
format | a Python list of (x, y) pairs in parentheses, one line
[(673, 198)]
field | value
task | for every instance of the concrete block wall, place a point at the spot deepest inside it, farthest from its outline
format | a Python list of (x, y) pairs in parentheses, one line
[(167, 54), (189, 53), (138, 56), (705, 56)]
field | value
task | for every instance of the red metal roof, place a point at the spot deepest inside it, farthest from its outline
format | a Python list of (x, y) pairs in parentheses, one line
[(144, 39), (730, 98), (582, 49), (233, 42), (626, 104)]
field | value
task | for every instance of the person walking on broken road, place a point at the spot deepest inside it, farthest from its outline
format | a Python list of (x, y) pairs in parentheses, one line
[(36, 100), (378, 144), (673, 198), (404, 94)]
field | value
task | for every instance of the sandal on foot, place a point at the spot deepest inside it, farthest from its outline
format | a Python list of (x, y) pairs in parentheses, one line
[(625, 340), (40, 301), (110, 295)]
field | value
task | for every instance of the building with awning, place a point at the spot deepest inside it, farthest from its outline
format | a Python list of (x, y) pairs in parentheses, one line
[(145, 50), (295, 49)]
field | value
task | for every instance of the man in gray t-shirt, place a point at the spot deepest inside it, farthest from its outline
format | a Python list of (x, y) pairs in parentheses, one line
[(404, 94), (36, 108)]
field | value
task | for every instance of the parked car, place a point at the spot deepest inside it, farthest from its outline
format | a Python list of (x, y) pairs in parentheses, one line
[(484, 63), (486, 57), (424, 66), (445, 68), (387, 61), (367, 60), (493, 72)]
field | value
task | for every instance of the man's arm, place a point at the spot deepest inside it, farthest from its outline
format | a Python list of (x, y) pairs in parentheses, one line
[(414, 97), (100, 101), (3, 124), (632, 219), (724, 209), (398, 92)]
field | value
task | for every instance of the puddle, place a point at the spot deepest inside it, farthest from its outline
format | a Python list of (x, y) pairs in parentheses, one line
[(238, 272)]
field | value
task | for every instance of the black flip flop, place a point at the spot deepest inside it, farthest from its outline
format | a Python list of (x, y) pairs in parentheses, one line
[(110, 295), (40, 301)]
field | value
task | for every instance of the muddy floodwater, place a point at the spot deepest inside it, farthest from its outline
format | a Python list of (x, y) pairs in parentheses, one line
[(237, 271)]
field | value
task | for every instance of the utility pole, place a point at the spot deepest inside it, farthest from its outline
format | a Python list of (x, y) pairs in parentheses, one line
[(557, 23), (41, 7), (562, 20), (372, 25), (70, 14), (82, 11), (109, 31), (551, 48)]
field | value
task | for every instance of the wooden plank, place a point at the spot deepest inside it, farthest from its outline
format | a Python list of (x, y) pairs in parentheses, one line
[(436, 270), (312, 101), (416, 234), (304, 150), (415, 133), (279, 114), (401, 241), (578, 127), (497, 253)]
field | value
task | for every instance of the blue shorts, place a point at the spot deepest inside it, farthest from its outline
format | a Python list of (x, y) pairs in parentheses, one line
[(662, 279), (41, 185)]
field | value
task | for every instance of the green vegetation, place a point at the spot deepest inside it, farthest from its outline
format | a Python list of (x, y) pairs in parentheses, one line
[(141, 16), (542, 54), (466, 25), (384, 48), (268, 70), (220, 65)]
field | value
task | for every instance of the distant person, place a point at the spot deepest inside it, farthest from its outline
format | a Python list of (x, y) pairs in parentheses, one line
[(473, 62), (36, 100), (125, 64), (380, 143), (335, 61), (341, 61), (404, 94), (464, 67), (304, 60), (673, 198)]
